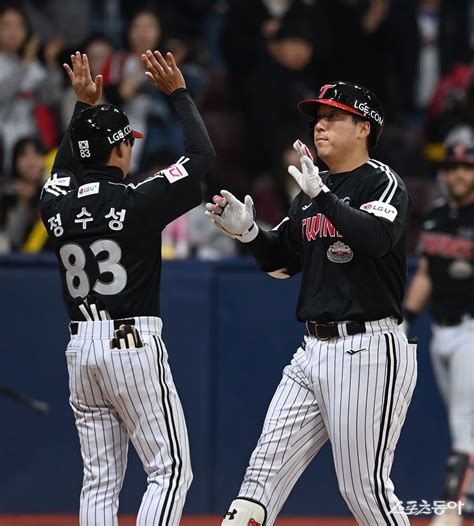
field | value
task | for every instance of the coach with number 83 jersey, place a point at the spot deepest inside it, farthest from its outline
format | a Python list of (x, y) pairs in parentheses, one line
[(107, 237)]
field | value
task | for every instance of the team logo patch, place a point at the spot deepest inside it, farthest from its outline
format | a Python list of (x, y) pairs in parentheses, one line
[(175, 172), (88, 189), (379, 209), (339, 252), (60, 181)]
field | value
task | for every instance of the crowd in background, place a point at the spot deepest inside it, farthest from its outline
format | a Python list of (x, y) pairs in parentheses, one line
[(246, 63)]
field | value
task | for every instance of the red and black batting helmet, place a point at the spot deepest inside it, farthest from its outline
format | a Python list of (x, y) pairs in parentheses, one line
[(353, 99), (96, 131), (458, 153)]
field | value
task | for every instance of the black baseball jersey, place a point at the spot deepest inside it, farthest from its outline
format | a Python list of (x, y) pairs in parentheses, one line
[(349, 244), (107, 233), (447, 241)]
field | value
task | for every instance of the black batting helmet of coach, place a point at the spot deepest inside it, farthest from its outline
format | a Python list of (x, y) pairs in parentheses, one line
[(353, 99), (96, 131)]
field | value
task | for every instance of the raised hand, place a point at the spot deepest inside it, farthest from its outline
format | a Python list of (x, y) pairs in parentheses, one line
[(52, 50), (308, 179), (164, 74), (30, 51), (86, 89)]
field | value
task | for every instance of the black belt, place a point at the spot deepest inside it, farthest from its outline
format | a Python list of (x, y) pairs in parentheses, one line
[(450, 321), (326, 331), (74, 325)]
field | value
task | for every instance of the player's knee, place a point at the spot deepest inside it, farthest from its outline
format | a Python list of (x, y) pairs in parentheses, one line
[(348, 494), (245, 512), (458, 471)]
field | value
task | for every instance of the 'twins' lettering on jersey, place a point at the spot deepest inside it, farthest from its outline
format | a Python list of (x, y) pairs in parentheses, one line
[(353, 266)]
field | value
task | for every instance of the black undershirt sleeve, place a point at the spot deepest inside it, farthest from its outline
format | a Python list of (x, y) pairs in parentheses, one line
[(64, 160), (197, 143)]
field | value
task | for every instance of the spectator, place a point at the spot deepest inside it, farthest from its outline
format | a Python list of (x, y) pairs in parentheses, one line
[(428, 56), (275, 191), (191, 235), (126, 86), (29, 175), (270, 69), (452, 107), (68, 18), (25, 85), (436, 40), (360, 46)]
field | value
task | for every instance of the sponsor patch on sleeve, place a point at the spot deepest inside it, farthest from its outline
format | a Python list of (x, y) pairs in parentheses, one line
[(61, 181), (55, 185), (88, 189), (379, 209), (175, 172)]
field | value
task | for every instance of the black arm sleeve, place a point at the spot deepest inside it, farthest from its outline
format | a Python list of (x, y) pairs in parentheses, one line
[(64, 160), (267, 250), (177, 189), (196, 139), (278, 249), (362, 231)]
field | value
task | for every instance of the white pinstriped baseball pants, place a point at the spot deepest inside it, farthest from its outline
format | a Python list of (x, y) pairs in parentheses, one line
[(453, 364), (354, 391), (117, 395)]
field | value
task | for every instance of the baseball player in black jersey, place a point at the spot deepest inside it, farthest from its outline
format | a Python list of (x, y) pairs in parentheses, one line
[(352, 379), (445, 275), (107, 237)]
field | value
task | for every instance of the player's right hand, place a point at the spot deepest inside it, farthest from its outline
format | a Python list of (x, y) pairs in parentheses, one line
[(164, 74), (234, 218), (86, 89)]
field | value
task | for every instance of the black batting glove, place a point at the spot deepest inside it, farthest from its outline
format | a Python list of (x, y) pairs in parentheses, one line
[(126, 337)]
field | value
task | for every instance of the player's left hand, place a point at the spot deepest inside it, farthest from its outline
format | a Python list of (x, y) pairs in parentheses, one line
[(308, 179), (126, 337), (86, 89), (164, 74)]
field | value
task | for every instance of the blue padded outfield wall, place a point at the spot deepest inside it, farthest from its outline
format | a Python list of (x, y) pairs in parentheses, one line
[(229, 330)]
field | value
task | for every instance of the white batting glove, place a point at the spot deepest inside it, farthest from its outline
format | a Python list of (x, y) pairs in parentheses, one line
[(234, 218), (308, 180)]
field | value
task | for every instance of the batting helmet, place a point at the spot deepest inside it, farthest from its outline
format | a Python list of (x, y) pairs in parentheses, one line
[(353, 99), (96, 131), (458, 153)]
